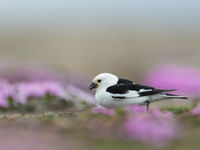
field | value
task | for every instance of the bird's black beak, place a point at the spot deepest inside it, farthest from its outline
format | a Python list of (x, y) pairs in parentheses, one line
[(93, 86)]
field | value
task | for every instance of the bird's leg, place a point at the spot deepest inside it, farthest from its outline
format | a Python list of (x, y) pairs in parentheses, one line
[(147, 105)]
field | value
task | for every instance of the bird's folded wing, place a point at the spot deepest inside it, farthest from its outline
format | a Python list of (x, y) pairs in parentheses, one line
[(125, 88), (154, 91), (124, 91), (129, 94)]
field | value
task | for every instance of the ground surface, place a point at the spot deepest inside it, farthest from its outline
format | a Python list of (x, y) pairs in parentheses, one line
[(68, 129)]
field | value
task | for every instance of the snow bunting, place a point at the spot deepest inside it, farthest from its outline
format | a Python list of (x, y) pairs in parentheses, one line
[(111, 91)]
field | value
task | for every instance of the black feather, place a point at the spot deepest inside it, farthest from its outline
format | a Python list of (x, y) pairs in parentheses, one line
[(154, 91), (119, 97), (124, 86), (124, 81)]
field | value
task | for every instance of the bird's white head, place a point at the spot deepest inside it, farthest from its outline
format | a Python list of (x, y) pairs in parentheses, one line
[(103, 80)]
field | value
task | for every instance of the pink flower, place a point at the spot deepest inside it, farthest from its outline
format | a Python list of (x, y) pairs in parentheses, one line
[(6, 91), (158, 114), (150, 130), (102, 110), (136, 108), (196, 111), (25, 90), (21, 84), (185, 79)]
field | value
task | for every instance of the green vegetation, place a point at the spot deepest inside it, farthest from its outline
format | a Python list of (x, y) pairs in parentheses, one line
[(178, 110)]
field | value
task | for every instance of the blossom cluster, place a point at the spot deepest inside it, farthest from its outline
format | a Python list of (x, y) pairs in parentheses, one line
[(24, 84), (185, 79), (154, 127)]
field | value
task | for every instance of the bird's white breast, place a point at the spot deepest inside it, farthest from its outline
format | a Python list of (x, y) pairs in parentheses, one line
[(105, 99)]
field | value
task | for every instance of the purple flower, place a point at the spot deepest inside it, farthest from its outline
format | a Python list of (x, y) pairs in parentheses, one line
[(158, 114), (185, 79), (196, 111), (102, 110), (150, 130), (21, 84), (25, 90), (6, 91), (155, 127), (136, 109)]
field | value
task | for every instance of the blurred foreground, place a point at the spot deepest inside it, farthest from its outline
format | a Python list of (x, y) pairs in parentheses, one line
[(45, 109), (69, 130)]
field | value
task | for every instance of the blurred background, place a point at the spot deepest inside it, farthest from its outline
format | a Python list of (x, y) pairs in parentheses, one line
[(126, 38), (151, 42)]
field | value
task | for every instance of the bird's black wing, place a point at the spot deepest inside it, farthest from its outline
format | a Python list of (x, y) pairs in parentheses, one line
[(155, 91), (124, 81), (124, 88), (141, 90)]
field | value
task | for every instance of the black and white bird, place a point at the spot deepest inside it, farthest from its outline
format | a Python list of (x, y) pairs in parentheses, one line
[(111, 91)]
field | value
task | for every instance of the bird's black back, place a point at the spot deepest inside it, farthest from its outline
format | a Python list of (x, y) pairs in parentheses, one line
[(123, 86)]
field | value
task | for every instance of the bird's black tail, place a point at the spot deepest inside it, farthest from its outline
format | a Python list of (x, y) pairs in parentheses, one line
[(174, 96), (167, 95)]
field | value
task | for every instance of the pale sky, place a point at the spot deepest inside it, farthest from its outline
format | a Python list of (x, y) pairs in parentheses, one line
[(125, 13)]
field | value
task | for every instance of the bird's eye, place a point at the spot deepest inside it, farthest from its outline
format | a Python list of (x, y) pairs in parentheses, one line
[(99, 81)]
